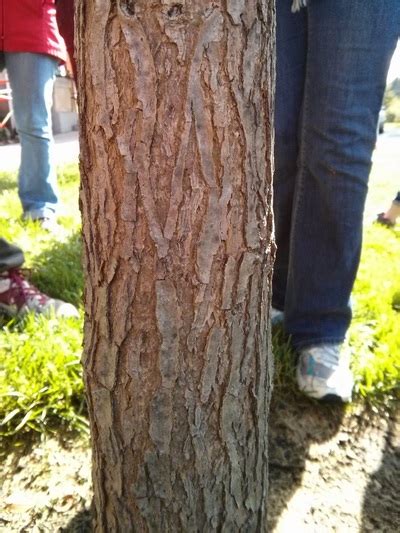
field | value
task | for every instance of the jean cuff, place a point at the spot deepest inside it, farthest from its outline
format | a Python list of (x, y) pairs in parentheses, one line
[(35, 214), (316, 342)]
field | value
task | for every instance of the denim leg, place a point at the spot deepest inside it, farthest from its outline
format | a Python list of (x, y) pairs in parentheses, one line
[(348, 53), (291, 36), (32, 79)]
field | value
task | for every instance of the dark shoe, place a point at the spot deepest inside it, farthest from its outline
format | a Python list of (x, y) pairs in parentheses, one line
[(10, 256)]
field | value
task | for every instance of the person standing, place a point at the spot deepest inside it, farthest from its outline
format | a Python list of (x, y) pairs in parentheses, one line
[(332, 63), (31, 48), (65, 21)]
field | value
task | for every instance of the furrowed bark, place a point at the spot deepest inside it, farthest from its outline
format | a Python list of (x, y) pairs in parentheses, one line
[(176, 162)]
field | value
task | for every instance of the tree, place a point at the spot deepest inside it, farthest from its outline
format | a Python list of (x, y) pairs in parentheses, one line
[(176, 132)]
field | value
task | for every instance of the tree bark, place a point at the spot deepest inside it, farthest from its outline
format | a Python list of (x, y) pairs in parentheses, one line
[(176, 134)]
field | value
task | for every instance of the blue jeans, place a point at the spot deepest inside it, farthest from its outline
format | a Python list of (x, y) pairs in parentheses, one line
[(32, 79), (332, 62)]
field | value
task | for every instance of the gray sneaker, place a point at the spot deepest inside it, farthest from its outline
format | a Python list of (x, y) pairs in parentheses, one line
[(51, 226), (323, 372), (277, 316)]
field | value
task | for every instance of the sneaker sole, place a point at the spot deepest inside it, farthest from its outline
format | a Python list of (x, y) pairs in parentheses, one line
[(334, 398), (329, 398)]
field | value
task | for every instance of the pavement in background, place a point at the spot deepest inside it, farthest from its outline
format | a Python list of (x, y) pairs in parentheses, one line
[(384, 180), (66, 151)]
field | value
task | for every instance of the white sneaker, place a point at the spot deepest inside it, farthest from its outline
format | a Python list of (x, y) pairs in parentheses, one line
[(323, 372), (51, 226), (277, 316), (47, 223)]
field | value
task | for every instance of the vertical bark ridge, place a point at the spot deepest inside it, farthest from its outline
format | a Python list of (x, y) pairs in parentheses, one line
[(176, 114)]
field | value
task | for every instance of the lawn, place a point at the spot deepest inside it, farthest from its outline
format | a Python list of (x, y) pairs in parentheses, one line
[(40, 374)]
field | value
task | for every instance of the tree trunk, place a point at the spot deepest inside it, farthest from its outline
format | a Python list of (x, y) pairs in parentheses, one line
[(176, 133)]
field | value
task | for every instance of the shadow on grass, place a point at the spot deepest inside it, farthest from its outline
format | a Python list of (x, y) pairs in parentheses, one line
[(8, 181), (295, 424), (20, 445), (58, 272), (381, 503)]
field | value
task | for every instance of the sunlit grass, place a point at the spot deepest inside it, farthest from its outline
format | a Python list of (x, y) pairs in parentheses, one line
[(40, 373), (374, 334)]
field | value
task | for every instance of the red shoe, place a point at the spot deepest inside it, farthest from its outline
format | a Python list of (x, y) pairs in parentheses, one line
[(18, 296)]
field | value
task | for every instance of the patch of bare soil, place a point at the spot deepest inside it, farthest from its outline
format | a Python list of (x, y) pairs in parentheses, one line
[(333, 469), (47, 489), (330, 470)]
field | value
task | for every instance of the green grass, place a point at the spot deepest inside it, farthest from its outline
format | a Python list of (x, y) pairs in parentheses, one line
[(41, 385), (40, 377), (40, 374), (375, 331)]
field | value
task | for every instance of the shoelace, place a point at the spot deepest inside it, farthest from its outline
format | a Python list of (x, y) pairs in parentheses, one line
[(23, 291)]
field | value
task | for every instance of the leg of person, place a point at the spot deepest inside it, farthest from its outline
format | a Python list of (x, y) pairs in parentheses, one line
[(291, 37), (32, 79), (348, 54)]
